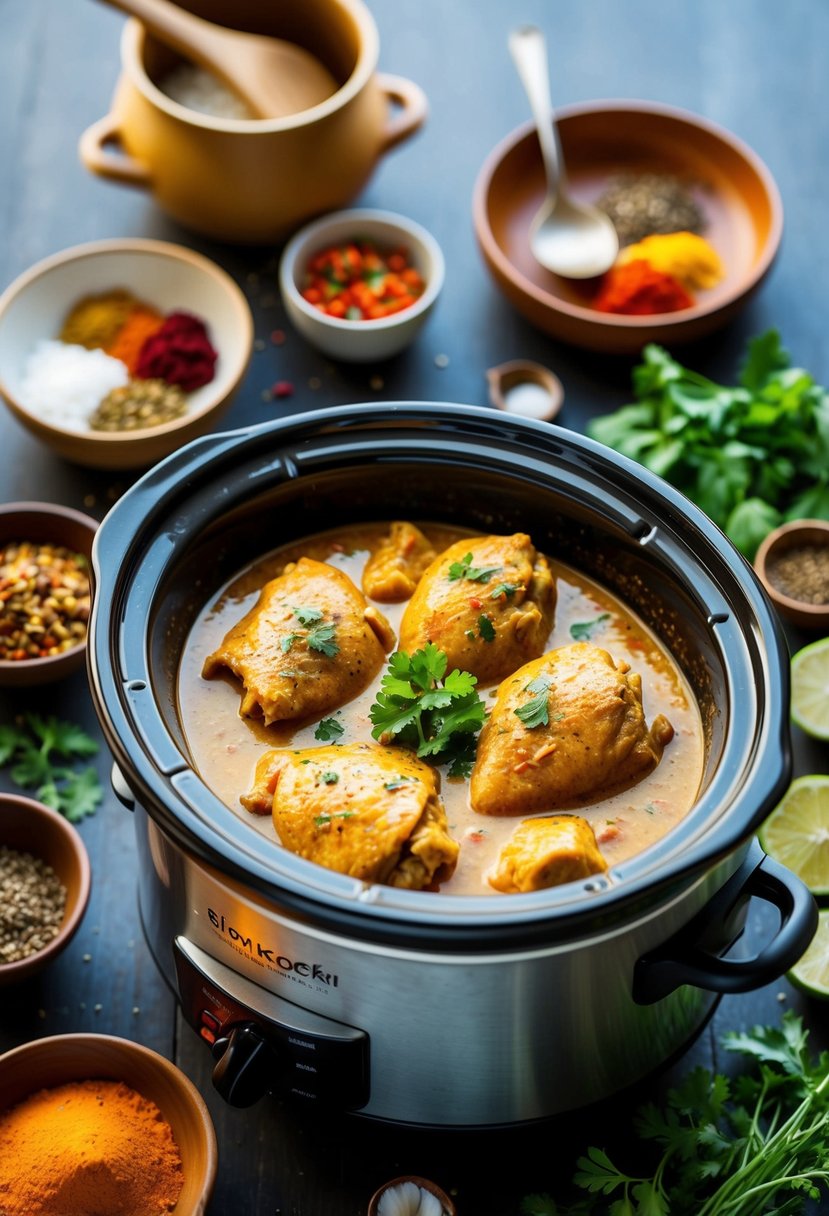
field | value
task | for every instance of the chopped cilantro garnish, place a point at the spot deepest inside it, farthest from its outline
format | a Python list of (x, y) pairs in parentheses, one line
[(486, 627), (398, 782), (535, 712), (582, 631), (287, 642), (307, 616), (476, 574), (507, 589), (322, 639), (328, 729), (330, 778), (421, 707)]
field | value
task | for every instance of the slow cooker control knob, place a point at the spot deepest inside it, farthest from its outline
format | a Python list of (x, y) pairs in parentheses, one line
[(246, 1065)]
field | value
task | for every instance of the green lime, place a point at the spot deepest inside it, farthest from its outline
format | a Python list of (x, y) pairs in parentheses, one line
[(810, 689), (796, 833), (811, 971)]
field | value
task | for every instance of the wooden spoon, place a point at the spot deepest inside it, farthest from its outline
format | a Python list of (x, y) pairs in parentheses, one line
[(273, 77)]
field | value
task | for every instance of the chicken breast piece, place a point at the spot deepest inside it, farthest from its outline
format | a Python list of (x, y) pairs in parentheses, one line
[(487, 601), (567, 725), (369, 811), (546, 852), (395, 567), (309, 644)]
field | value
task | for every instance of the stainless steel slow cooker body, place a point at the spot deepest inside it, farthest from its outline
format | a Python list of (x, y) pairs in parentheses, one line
[(415, 1006)]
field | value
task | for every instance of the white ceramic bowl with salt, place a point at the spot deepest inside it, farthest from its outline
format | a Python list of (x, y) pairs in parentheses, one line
[(166, 276)]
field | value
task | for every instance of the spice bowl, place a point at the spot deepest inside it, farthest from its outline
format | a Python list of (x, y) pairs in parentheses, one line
[(58, 541), (55, 400), (34, 831), (601, 141), (793, 562), (410, 1195), (48, 1063), (361, 340)]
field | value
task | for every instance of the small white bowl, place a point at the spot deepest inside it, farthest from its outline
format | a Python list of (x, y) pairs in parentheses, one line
[(167, 276), (360, 341)]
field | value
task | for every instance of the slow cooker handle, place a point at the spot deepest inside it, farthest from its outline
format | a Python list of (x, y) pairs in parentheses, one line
[(687, 958)]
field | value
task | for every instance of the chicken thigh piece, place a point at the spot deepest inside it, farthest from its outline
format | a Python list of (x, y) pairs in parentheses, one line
[(369, 811), (487, 601), (310, 643), (546, 852), (565, 726), (394, 568)]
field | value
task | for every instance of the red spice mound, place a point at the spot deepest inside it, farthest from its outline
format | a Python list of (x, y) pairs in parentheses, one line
[(638, 290), (179, 352)]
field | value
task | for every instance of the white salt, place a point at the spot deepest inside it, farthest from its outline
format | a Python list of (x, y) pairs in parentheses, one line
[(193, 87), (64, 384), (530, 399)]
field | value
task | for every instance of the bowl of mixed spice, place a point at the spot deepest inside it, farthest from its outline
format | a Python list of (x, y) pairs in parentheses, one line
[(118, 352), (793, 565), (45, 591), (44, 886), (697, 213)]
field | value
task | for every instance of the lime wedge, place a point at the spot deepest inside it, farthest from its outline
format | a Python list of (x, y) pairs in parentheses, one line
[(796, 833), (810, 689), (811, 972)]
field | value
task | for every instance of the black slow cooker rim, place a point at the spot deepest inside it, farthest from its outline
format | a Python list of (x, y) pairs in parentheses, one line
[(174, 798)]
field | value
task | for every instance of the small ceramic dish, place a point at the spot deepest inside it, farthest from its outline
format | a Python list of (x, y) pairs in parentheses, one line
[(527, 389), (48, 1063), (360, 341), (45, 523), (404, 1197), (600, 140), (30, 827), (168, 277), (794, 551)]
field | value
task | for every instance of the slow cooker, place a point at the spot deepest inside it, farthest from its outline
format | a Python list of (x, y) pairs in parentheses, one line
[(419, 1007)]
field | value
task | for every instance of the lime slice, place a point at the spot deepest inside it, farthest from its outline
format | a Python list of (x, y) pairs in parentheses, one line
[(796, 833), (811, 972), (810, 689)]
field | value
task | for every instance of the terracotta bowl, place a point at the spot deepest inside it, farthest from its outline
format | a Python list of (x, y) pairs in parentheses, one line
[(360, 341), (27, 826), (169, 277), (794, 535), (45, 522), (46, 1063), (599, 140)]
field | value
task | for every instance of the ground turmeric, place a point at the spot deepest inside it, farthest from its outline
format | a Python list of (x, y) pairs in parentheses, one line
[(88, 1148), (684, 255)]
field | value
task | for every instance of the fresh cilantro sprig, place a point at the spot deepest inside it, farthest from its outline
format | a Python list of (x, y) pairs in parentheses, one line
[(328, 730), (583, 631), (475, 574), (758, 1143), (33, 748), (420, 706), (751, 455)]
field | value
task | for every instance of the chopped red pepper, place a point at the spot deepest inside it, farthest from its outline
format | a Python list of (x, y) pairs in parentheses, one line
[(356, 282)]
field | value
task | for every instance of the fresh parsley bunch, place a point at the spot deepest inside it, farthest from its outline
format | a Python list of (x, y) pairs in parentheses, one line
[(420, 706), (42, 753), (756, 1144), (751, 455)]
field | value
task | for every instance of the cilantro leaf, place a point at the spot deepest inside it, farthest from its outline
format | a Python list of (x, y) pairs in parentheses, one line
[(322, 639), (506, 589), (328, 729), (307, 616), (65, 738), (486, 627), (11, 739), (28, 749), (330, 778), (288, 641), (74, 794), (476, 574), (535, 712), (582, 631)]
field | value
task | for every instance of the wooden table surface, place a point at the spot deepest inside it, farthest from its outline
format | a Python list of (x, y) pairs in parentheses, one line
[(757, 69)]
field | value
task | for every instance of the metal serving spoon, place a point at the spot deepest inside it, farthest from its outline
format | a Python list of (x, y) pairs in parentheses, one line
[(571, 239), (272, 76)]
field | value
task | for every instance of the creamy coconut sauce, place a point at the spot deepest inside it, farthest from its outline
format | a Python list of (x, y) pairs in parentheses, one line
[(225, 747)]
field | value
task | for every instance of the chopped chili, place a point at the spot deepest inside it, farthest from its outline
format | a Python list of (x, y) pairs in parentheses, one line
[(358, 282)]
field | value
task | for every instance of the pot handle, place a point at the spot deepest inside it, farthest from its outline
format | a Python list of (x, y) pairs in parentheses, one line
[(689, 956), (96, 147), (411, 113)]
